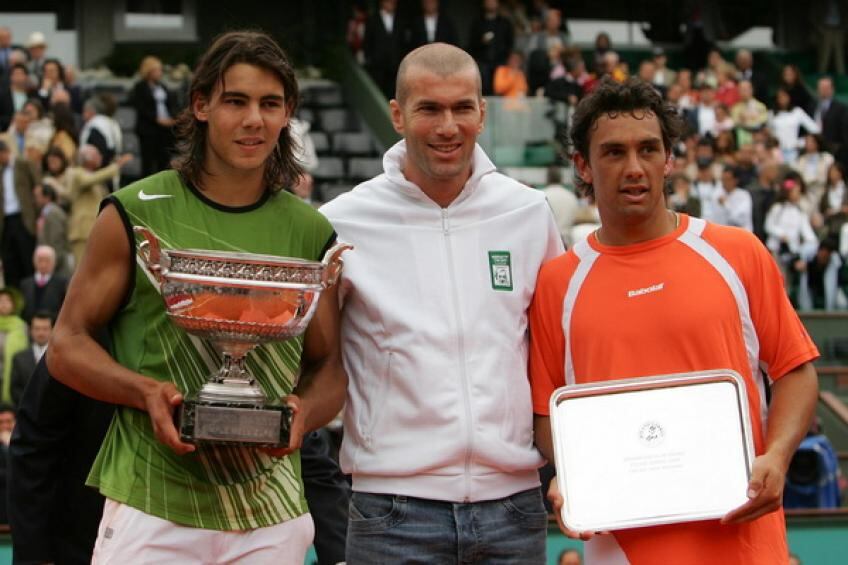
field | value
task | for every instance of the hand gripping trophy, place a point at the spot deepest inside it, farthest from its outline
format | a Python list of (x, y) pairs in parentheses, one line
[(237, 301)]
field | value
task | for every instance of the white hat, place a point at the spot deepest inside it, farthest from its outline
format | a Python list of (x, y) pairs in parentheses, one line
[(36, 39)]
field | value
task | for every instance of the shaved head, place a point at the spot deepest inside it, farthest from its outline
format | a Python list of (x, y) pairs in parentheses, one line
[(438, 58)]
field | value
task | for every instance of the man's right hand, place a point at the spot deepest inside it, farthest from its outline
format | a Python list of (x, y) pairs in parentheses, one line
[(557, 501), (160, 401)]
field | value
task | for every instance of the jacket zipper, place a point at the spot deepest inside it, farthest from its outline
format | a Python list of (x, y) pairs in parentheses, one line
[(466, 397)]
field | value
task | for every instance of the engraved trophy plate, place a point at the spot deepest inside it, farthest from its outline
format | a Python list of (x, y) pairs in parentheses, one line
[(652, 450), (237, 424), (237, 301)]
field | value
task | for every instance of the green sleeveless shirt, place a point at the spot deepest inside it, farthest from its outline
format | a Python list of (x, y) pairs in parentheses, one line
[(216, 487)]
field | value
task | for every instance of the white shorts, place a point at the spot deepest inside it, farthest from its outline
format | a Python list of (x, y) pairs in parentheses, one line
[(129, 536)]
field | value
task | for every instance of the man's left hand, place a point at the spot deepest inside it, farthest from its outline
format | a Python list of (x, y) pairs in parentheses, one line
[(765, 490), (296, 430)]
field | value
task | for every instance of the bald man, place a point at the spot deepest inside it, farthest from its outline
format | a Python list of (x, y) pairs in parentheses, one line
[(438, 422)]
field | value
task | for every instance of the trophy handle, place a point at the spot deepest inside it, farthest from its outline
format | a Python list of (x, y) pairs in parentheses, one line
[(150, 251), (333, 264)]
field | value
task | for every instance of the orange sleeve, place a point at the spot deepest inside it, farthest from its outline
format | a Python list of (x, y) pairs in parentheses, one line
[(502, 83), (547, 342), (784, 342)]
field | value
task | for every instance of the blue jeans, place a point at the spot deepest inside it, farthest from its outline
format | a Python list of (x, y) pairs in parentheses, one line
[(387, 529)]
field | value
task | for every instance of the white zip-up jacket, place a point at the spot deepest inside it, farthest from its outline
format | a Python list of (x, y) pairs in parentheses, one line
[(434, 333)]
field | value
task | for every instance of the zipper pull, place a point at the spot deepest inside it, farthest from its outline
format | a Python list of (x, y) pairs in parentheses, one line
[(445, 222)]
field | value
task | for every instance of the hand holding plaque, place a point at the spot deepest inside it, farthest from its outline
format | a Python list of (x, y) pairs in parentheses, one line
[(237, 301)]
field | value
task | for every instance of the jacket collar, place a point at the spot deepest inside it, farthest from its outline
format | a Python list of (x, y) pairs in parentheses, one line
[(395, 157)]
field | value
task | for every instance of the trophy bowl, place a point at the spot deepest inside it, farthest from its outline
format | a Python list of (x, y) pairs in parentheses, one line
[(237, 301)]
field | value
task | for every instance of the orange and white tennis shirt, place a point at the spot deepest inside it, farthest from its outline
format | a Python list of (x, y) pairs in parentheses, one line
[(702, 297)]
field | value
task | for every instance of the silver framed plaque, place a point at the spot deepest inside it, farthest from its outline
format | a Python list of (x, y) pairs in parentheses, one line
[(651, 450)]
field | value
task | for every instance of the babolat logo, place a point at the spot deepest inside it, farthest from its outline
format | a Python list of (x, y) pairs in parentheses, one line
[(646, 290)]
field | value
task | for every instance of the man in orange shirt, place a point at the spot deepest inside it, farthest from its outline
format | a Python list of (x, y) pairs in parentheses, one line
[(653, 292)]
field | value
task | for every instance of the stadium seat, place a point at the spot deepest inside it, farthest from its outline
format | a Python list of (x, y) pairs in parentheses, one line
[(131, 143), (320, 141), (329, 169), (334, 120), (352, 143), (362, 168)]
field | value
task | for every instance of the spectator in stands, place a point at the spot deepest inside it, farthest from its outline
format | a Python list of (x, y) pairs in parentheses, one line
[(790, 80), (383, 46), (569, 557), (688, 96), (433, 25), (647, 72), (87, 188), (492, 40), (44, 290), (13, 337), (37, 49), (52, 78), (680, 198), (832, 115), (603, 43), (723, 122), (7, 425), (703, 117), (14, 94), (725, 147), (738, 317), (813, 163), (99, 129), (5, 52), (52, 228), (833, 204), (733, 206), (791, 239), (763, 194), (15, 136), (24, 361), (155, 108), (727, 91), (829, 18), (74, 90), (663, 76), (749, 114), (19, 213), (55, 169), (540, 46), (745, 71), (439, 171), (571, 87), (65, 131), (716, 66), (786, 121), (509, 78)]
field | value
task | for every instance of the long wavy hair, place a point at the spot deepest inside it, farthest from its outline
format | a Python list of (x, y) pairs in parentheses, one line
[(253, 48)]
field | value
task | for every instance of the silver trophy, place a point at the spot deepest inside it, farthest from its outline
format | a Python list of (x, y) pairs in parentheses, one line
[(237, 301)]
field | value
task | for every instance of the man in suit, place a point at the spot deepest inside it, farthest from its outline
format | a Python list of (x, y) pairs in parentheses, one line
[(44, 290), (757, 78), (431, 26), (832, 117), (492, 39), (17, 222), (24, 362), (383, 46), (51, 228)]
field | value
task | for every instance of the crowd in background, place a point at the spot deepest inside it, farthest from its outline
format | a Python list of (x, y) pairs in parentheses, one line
[(764, 154)]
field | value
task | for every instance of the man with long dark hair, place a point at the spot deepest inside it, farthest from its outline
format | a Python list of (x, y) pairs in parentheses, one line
[(170, 501)]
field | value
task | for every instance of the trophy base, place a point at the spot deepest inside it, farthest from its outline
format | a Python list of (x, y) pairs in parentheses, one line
[(234, 422)]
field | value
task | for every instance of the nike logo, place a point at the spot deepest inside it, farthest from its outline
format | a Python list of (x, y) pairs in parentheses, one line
[(145, 197)]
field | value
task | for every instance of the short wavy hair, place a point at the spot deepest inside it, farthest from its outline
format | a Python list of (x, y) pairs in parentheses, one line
[(253, 48), (633, 96)]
